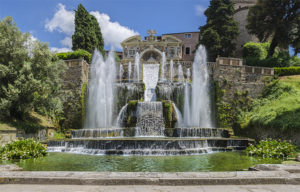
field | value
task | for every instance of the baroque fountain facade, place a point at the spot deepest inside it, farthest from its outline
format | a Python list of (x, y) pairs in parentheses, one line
[(151, 103)]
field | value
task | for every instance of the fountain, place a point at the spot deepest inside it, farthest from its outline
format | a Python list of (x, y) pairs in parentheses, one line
[(180, 73), (100, 97), (150, 117), (129, 71), (171, 70), (163, 65), (137, 67), (121, 71)]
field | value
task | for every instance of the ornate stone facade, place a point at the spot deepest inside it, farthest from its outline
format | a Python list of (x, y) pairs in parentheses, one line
[(152, 48)]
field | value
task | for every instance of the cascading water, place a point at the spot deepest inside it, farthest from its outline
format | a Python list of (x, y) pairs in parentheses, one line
[(137, 120), (150, 119), (150, 77), (200, 110), (163, 64), (171, 70), (100, 91), (121, 71), (129, 71), (180, 73), (137, 67)]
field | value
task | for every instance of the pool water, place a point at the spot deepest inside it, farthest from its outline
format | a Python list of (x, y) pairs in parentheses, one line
[(221, 161)]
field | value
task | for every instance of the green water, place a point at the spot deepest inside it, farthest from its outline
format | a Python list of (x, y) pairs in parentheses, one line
[(223, 161)]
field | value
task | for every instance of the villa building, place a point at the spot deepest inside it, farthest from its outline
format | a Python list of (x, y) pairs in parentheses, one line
[(176, 46)]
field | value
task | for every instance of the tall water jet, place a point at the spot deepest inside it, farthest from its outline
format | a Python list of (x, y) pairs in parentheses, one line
[(171, 70), (163, 64), (121, 71), (187, 104), (180, 73), (200, 105), (129, 71), (150, 77), (137, 67), (178, 115), (100, 91)]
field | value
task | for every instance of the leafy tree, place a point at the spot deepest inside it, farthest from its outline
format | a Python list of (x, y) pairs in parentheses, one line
[(30, 75), (87, 34), (221, 29), (274, 19)]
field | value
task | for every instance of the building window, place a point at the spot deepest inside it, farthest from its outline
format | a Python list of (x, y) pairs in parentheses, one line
[(187, 35), (131, 52), (187, 50)]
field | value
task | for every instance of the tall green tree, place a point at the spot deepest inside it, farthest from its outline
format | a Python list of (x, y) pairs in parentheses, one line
[(87, 34), (30, 75), (274, 19), (220, 30)]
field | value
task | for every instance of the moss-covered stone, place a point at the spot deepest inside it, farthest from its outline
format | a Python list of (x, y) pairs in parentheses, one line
[(169, 114)]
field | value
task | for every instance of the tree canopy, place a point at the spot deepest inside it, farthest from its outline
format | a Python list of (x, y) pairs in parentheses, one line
[(30, 75), (278, 20), (87, 34), (221, 29)]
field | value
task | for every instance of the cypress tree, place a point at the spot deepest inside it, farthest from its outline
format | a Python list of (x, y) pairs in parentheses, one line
[(87, 34), (220, 30)]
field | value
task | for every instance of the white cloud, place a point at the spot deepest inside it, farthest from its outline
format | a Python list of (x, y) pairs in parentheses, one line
[(199, 10), (62, 21), (67, 41), (60, 50), (113, 33)]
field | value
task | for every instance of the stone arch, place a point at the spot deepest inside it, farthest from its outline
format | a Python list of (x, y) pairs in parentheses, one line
[(144, 55)]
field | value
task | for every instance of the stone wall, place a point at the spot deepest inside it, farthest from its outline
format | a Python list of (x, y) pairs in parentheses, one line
[(75, 81), (236, 86), (231, 74)]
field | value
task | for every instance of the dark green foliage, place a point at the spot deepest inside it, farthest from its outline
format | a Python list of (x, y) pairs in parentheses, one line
[(285, 71), (283, 59), (271, 148), (221, 29), (275, 115), (227, 111), (22, 149), (83, 102), (87, 34), (256, 50), (80, 53), (275, 19), (30, 75), (255, 54), (169, 114), (131, 111)]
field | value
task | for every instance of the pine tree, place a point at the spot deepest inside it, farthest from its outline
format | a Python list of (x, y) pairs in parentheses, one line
[(220, 30), (87, 34), (275, 19)]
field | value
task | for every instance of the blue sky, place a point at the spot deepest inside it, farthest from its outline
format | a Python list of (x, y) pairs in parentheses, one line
[(52, 20)]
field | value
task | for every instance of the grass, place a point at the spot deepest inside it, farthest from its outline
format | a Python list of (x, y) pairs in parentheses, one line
[(277, 111), (33, 122)]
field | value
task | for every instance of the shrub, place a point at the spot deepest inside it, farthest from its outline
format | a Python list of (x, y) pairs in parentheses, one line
[(79, 53), (285, 71), (272, 148), (23, 149), (256, 50)]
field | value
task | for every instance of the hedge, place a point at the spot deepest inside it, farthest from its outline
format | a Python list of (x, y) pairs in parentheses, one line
[(285, 71), (256, 50), (80, 53)]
